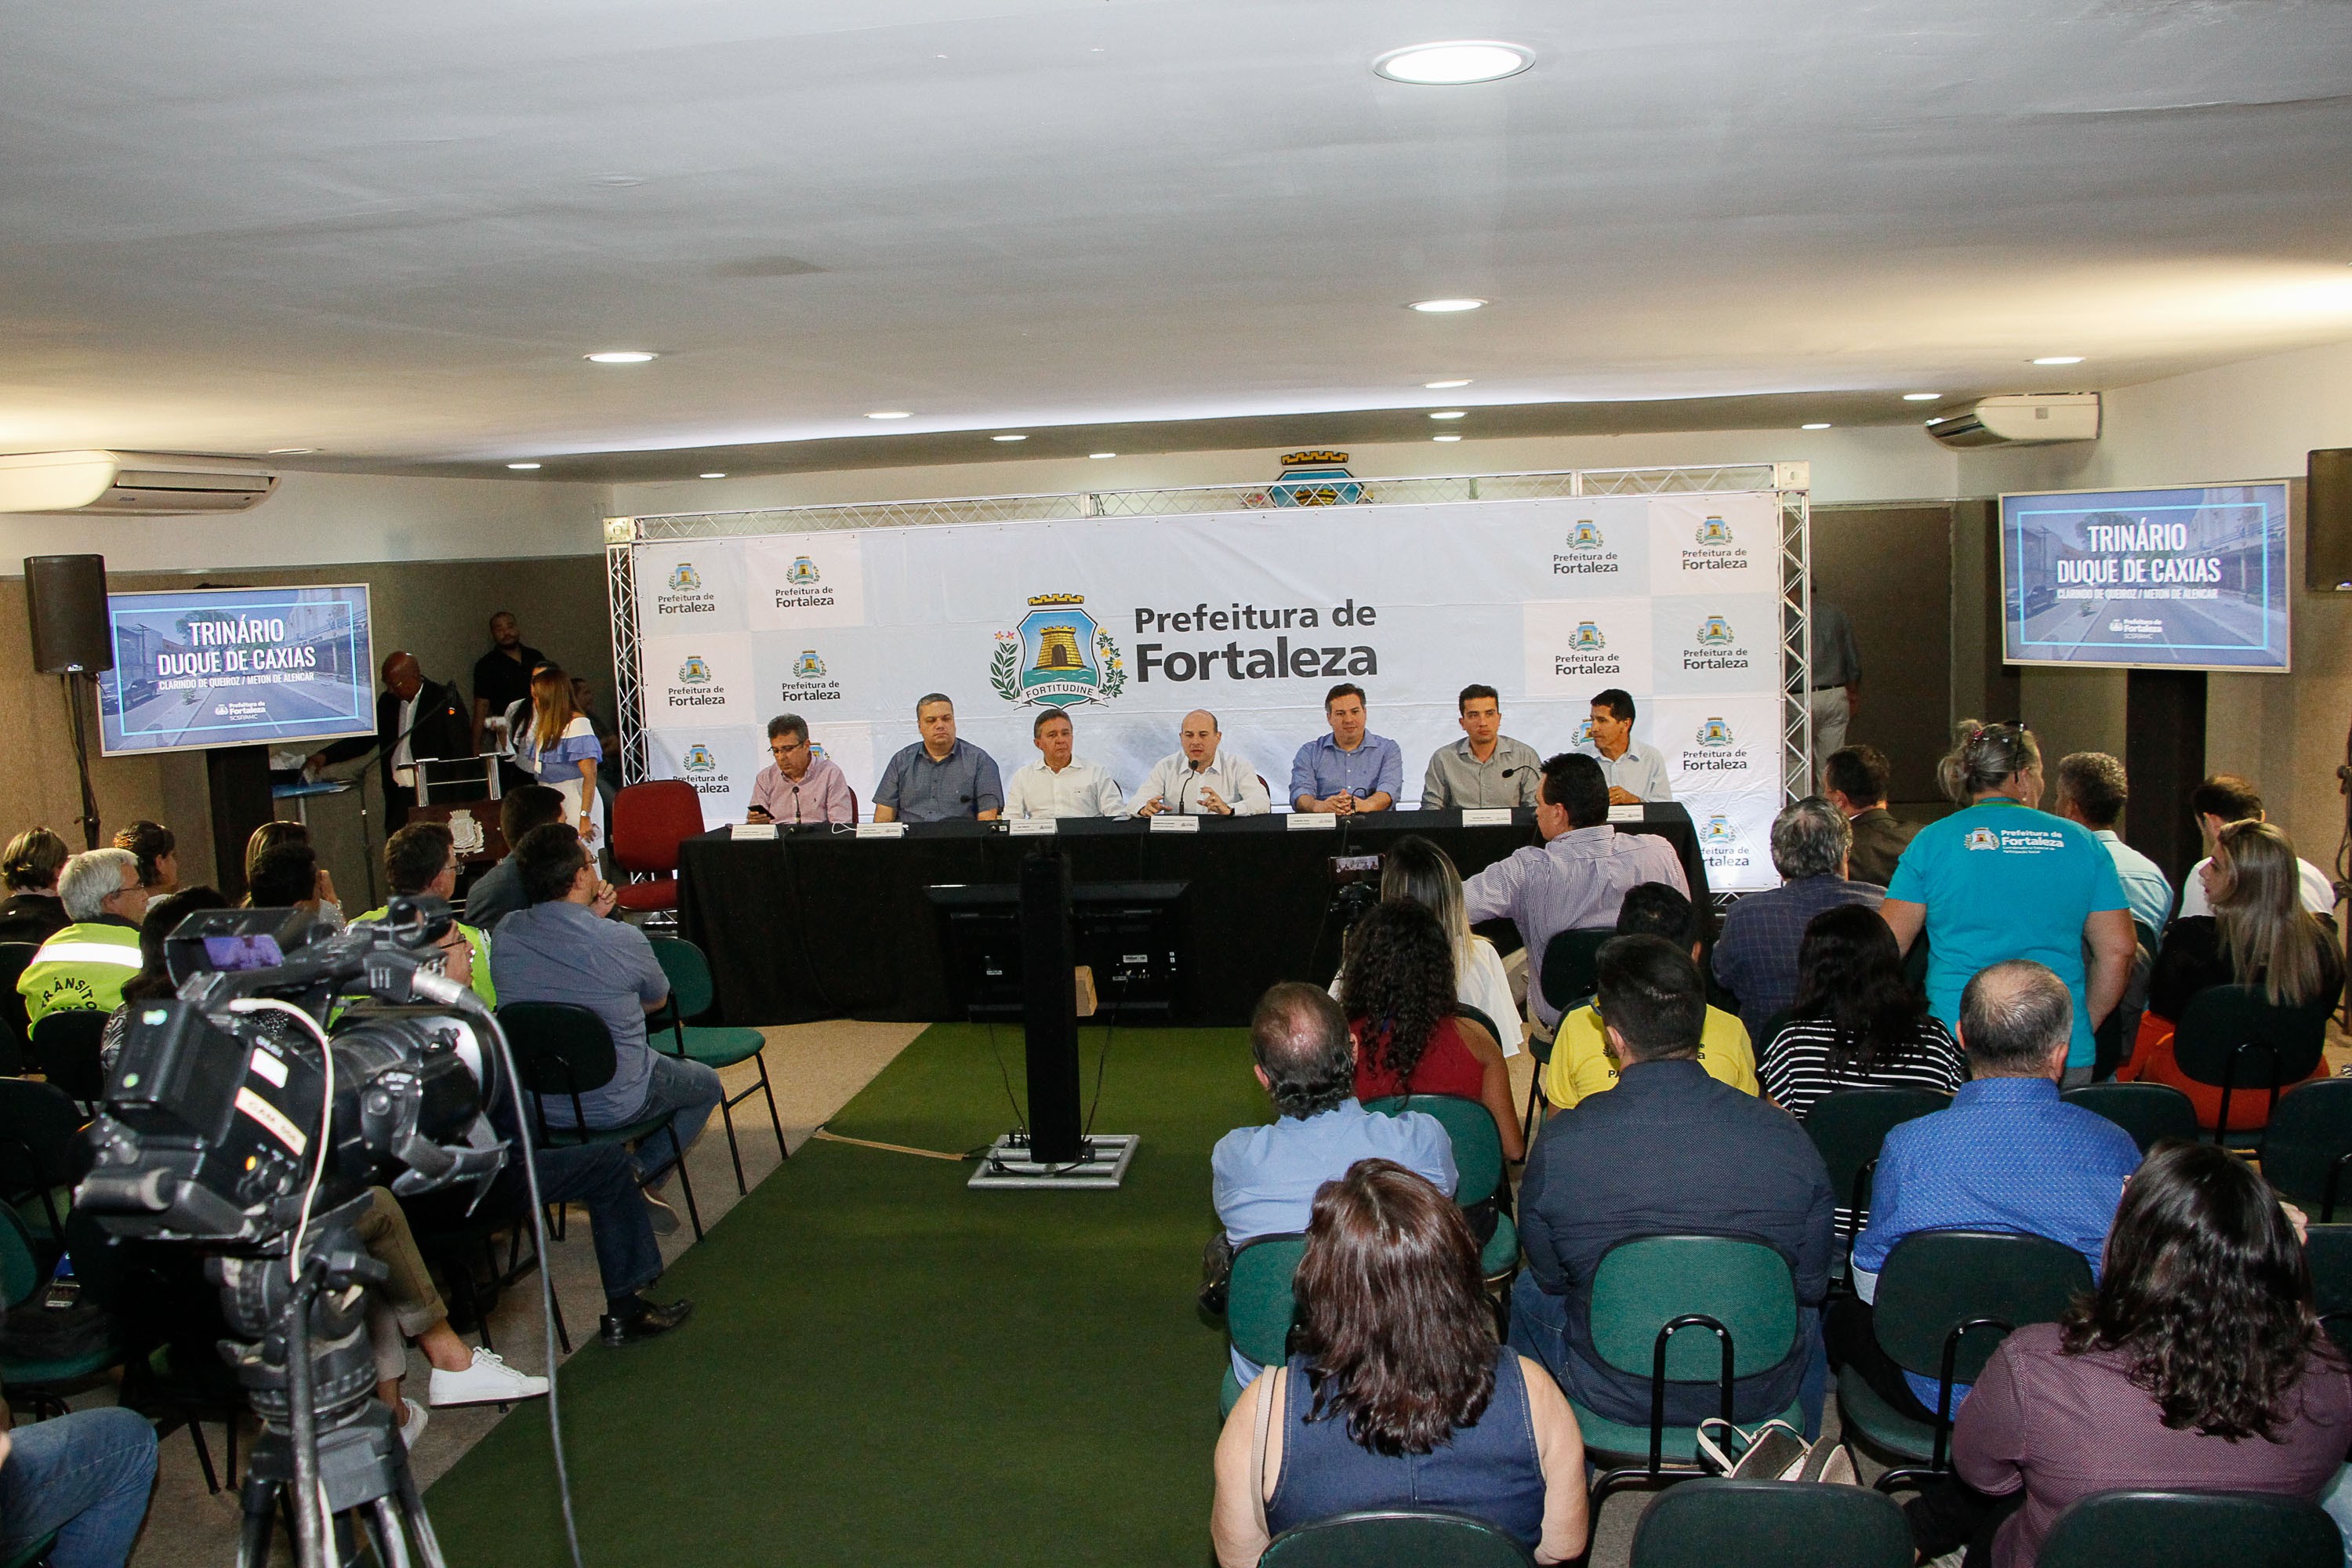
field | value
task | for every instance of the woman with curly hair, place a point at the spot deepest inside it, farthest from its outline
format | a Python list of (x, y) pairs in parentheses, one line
[(2197, 1364), (1396, 1395), (1397, 985)]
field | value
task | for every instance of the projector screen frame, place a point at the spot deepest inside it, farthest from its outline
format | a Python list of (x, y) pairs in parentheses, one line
[(363, 723)]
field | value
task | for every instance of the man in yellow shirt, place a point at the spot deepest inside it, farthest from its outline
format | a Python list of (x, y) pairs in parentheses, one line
[(1580, 1059)]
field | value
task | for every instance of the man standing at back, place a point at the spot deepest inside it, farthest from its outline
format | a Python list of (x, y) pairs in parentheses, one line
[(2092, 790), (1856, 779), (1669, 1152), (2217, 802), (1756, 957), (938, 778), (416, 718), (1486, 767), (1265, 1177), (1350, 769), (502, 676), (1577, 877)]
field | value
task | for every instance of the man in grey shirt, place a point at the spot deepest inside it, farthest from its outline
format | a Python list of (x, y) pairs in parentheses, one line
[(1836, 679), (564, 949), (938, 778), (1486, 767)]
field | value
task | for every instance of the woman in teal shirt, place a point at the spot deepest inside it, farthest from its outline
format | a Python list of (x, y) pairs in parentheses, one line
[(2000, 880)]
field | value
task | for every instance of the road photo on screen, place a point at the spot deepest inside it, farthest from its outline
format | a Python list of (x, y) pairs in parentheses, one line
[(2177, 579), (234, 667)]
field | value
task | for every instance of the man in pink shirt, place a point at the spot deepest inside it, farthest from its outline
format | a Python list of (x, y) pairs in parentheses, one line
[(799, 785)]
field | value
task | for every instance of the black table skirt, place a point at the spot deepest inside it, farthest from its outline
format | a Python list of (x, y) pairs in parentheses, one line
[(821, 924)]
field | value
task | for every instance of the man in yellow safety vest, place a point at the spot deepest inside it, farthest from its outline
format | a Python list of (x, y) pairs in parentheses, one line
[(86, 962)]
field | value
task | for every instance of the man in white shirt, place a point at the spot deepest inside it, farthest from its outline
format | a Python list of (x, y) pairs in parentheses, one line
[(1635, 772), (1057, 784), (1203, 779), (2217, 802)]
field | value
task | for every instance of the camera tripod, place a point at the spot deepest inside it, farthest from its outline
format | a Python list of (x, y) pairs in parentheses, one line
[(328, 1455)]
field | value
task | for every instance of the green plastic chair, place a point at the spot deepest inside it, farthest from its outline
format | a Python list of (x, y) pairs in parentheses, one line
[(1772, 1525), (1848, 1126), (2234, 1039), (39, 1127), (1682, 1308), (1464, 1010), (1478, 1176), (2327, 1249), (1259, 1306), (65, 1045), (1946, 1299), (2309, 1144), (1395, 1537), (34, 1552), (2149, 1111), (692, 994), (42, 1382), (2192, 1530), (564, 1050)]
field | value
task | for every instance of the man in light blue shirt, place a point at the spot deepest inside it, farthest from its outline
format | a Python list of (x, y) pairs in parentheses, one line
[(2092, 790), (1348, 770), (1266, 1178), (1635, 772)]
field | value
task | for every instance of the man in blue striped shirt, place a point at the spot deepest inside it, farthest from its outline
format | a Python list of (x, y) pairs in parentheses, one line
[(1348, 770)]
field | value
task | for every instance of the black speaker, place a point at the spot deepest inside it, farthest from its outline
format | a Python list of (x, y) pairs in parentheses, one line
[(2327, 521), (67, 596)]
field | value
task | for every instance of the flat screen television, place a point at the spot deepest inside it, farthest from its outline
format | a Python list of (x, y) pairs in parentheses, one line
[(2193, 578), (197, 667)]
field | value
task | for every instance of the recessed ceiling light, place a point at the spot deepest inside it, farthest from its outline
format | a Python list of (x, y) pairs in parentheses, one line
[(1445, 385), (1921, 396), (1818, 424), (291, 451), (1456, 63), (619, 356), (1446, 437), (1102, 454), (522, 465), (2060, 359), (1008, 437), (714, 476), (1449, 414), (1444, 306), (891, 414)]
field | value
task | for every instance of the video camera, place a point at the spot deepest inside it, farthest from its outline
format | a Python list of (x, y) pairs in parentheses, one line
[(1356, 888)]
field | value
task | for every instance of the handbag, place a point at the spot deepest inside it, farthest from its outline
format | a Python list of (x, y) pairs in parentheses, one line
[(1775, 1451)]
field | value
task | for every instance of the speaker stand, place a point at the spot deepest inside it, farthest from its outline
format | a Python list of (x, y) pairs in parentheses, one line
[(90, 823)]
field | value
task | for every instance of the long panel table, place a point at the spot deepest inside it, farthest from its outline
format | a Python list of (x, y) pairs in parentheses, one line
[(819, 923)]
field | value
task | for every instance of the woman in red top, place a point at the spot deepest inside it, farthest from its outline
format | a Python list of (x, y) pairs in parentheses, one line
[(1399, 985)]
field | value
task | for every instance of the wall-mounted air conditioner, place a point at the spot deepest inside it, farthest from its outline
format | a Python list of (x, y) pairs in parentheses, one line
[(2020, 419), (132, 484)]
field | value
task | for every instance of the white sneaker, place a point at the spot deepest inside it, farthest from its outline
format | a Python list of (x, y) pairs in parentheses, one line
[(412, 1422), (489, 1381)]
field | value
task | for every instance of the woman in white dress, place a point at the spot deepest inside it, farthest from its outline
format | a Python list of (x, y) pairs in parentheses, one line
[(1417, 870), (558, 746)]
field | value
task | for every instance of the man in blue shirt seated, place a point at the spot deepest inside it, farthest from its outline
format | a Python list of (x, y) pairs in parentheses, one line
[(2008, 1155), (564, 949), (1757, 954), (1265, 1177), (938, 778), (1668, 1152), (1348, 769)]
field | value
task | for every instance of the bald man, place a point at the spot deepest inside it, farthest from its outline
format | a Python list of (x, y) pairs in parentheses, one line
[(1202, 779), (414, 718)]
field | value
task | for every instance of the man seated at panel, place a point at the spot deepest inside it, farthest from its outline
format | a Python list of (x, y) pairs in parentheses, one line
[(2093, 790), (938, 778), (421, 860), (86, 962), (799, 785), (1060, 784), (1350, 769), (1577, 877), (1485, 768), (2008, 1155), (1856, 779), (1635, 772), (1670, 1151), (1264, 1178), (1582, 1063), (498, 892), (564, 949), (2217, 802), (1756, 958), (1202, 778)]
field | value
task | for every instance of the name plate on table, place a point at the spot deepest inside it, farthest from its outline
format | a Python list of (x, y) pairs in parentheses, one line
[(1170, 822), (1487, 817), (1624, 813), (881, 830), (1034, 827), (753, 830), (1310, 822)]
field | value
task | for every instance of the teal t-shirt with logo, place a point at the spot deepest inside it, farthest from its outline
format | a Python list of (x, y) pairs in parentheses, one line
[(2002, 880)]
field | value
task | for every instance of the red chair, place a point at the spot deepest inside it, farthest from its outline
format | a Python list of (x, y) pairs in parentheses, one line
[(650, 822)]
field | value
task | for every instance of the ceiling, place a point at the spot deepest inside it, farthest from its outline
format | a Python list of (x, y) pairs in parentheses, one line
[(391, 233)]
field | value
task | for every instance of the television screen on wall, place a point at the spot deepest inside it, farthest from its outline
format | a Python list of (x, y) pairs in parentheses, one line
[(2172, 579), (236, 667)]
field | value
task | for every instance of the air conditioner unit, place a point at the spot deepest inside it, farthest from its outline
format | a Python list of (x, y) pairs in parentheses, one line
[(130, 484), (2021, 419)]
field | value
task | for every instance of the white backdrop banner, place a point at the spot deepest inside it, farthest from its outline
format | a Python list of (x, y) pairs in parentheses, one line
[(1128, 624)]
